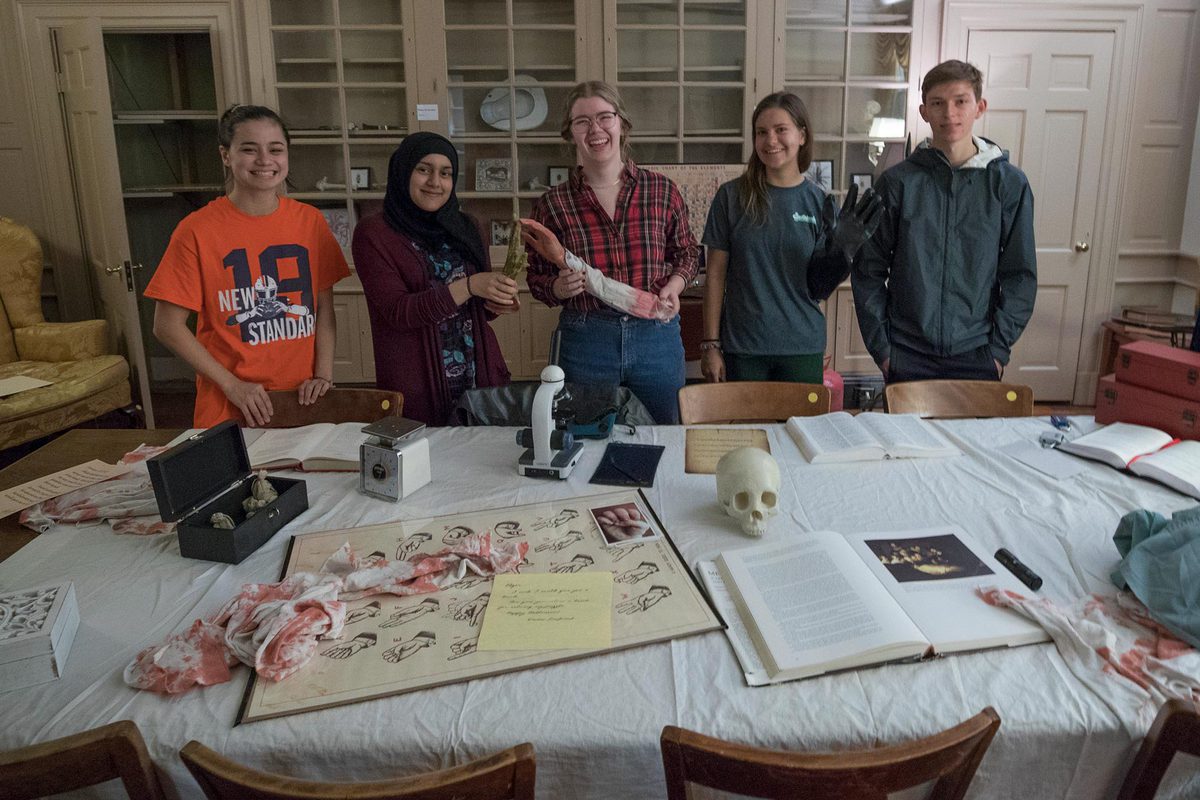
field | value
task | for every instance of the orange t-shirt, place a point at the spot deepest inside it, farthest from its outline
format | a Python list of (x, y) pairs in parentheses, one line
[(253, 283)]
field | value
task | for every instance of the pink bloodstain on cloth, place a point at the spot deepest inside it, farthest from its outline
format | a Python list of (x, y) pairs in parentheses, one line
[(126, 502), (1112, 644), (275, 627)]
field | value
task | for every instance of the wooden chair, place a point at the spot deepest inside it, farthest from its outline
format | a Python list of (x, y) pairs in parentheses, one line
[(81, 760), (336, 405), (953, 399), (750, 401), (507, 775), (950, 757), (1176, 729)]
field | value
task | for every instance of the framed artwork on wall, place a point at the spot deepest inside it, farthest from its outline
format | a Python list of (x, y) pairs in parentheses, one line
[(360, 178), (821, 173), (493, 175)]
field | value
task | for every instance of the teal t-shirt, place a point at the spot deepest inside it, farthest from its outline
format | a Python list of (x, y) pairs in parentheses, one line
[(768, 310)]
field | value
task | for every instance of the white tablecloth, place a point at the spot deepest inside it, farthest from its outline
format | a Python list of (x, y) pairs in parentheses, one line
[(595, 722)]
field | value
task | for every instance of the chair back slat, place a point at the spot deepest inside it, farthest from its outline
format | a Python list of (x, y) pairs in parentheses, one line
[(1176, 729), (84, 759), (957, 399), (336, 405), (949, 758), (507, 775), (750, 401)]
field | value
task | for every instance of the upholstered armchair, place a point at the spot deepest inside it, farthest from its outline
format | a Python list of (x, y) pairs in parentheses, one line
[(86, 381)]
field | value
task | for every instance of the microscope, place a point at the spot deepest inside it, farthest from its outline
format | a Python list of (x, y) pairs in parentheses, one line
[(551, 452)]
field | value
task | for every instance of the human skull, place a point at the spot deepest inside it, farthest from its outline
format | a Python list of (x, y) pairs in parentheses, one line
[(748, 488)]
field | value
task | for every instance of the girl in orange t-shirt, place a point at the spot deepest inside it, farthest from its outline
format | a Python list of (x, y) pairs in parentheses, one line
[(258, 270)]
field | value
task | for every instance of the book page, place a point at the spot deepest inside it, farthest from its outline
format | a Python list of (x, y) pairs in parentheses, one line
[(735, 627), (814, 606), (932, 574), (704, 447), (61, 482), (1117, 444), (907, 435), (340, 444), (287, 445), (833, 437), (1178, 466)]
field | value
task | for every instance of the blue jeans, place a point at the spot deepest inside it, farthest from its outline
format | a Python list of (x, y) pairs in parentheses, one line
[(644, 355)]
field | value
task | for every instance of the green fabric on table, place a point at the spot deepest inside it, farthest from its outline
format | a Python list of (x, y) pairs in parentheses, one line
[(1161, 566)]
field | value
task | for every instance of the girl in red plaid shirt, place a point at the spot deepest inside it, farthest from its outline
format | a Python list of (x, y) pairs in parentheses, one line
[(631, 225)]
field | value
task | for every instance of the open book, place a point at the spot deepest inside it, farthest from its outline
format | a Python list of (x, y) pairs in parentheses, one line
[(818, 602), (867, 437), (323, 447), (1144, 451)]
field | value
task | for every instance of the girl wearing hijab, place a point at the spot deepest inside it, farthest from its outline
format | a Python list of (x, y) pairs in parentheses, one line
[(428, 284)]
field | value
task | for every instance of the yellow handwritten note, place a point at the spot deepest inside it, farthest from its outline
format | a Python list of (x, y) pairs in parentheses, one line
[(549, 611)]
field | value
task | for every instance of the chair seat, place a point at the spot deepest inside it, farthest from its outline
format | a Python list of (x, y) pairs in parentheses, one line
[(72, 381)]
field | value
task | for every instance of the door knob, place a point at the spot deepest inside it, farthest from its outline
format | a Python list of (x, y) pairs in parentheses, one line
[(117, 270), (1082, 247)]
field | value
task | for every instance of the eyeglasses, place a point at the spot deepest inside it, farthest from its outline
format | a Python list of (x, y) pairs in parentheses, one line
[(584, 124)]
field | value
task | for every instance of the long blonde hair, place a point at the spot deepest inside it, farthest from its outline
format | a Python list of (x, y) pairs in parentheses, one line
[(752, 186), (609, 94)]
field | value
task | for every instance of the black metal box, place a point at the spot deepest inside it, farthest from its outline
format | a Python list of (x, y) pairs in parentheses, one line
[(210, 472)]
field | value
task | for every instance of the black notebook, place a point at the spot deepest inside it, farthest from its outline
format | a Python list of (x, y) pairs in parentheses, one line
[(628, 465)]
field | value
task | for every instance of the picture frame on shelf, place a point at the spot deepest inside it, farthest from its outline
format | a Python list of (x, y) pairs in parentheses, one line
[(820, 172), (863, 180), (341, 224), (360, 178), (501, 232), (559, 175), (493, 175)]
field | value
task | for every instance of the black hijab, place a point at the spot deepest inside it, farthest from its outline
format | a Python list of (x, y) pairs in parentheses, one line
[(448, 224)]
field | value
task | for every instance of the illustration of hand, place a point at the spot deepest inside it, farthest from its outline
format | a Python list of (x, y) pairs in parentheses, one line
[(404, 615), (347, 649), (463, 647), (472, 611), (359, 614), (403, 650), (622, 523), (643, 570), (567, 539)]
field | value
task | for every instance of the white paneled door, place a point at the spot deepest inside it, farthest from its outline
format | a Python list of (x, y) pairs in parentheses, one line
[(1048, 96), (88, 114)]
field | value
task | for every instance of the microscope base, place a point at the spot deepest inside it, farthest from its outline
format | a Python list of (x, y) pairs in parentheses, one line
[(560, 466)]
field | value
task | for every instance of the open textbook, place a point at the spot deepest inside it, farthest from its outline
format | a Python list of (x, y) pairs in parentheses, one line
[(1144, 451), (867, 437), (323, 447), (818, 602)]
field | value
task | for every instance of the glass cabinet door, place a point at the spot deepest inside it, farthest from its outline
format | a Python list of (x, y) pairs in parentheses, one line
[(849, 61), (510, 65), (341, 84), (681, 67)]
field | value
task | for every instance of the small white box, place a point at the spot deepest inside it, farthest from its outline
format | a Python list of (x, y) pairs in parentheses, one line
[(37, 627)]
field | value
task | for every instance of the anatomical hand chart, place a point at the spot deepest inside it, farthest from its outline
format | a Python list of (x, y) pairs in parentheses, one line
[(391, 644)]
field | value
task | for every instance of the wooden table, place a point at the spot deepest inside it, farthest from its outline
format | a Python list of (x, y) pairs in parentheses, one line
[(73, 447)]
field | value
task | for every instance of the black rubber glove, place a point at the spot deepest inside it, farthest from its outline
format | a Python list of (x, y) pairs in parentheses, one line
[(850, 228)]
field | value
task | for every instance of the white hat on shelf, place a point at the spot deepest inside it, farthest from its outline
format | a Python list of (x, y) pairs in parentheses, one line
[(530, 102)]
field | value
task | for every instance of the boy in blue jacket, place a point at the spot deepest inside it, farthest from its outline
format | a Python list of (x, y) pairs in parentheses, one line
[(947, 283)]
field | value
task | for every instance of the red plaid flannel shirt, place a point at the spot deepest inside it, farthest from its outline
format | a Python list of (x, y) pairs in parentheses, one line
[(646, 243)]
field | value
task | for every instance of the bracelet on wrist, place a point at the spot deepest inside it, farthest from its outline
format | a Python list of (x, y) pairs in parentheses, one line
[(710, 344), (470, 292)]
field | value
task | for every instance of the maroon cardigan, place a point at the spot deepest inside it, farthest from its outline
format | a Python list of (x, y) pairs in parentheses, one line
[(406, 307)]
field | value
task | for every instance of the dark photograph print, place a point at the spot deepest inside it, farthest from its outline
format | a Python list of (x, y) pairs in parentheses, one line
[(927, 558)]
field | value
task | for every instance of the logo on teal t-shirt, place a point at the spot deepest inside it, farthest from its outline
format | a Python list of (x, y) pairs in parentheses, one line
[(798, 217)]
